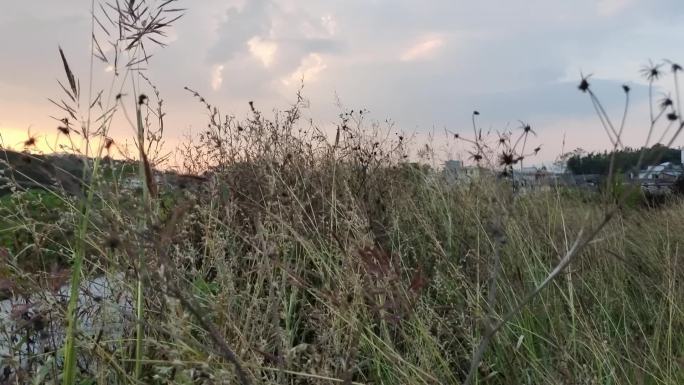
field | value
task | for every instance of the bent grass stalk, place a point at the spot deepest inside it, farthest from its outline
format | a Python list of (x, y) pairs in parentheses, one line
[(69, 375), (139, 302)]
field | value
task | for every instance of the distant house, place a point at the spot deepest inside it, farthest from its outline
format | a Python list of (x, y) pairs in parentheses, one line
[(667, 171), (455, 171), (532, 175), (453, 165), (660, 179)]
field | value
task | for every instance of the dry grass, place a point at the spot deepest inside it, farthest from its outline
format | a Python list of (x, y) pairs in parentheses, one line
[(296, 259)]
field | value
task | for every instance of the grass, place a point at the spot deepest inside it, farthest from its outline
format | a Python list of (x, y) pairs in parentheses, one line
[(294, 302), (295, 259), (297, 303)]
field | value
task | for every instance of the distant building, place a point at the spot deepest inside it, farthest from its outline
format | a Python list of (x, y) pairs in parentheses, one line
[(455, 171), (532, 175), (667, 171), (452, 168), (453, 165), (660, 179)]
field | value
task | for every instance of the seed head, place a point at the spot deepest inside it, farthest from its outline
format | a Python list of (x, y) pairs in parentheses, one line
[(507, 158), (651, 71), (108, 143), (527, 129), (584, 83), (674, 66), (30, 142), (666, 102), (476, 157)]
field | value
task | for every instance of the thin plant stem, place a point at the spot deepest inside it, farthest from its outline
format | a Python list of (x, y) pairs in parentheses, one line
[(70, 354)]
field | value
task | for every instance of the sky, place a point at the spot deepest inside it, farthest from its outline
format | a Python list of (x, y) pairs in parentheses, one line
[(426, 65)]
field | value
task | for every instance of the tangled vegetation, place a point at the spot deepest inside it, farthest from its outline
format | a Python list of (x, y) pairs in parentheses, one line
[(287, 257)]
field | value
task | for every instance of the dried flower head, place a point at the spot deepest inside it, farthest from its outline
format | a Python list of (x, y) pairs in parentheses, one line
[(626, 88), (476, 157), (507, 158), (64, 130), (142, 99), (666, 102), (672, 116), (584, 83), (526, 128), (675, 67), (30, 142), (108, 143), (651, 71)]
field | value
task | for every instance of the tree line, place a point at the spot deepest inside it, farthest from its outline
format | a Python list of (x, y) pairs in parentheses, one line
[(626, 160)]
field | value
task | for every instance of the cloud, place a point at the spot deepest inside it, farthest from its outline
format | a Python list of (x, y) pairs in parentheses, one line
[(423, 50), (217, 76), (309, 70), (239, 26), (263, 50), (330, 24), (423, 64), (289, 40)]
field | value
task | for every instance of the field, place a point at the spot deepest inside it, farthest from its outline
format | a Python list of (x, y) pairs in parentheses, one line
[(311, 270), (279, 255)]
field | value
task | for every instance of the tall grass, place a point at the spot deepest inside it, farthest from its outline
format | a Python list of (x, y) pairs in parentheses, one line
[(290, 258)]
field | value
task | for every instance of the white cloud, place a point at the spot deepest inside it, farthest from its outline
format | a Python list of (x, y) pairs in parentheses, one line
[(329, 24), (263, 50), (422, 50), (477, 58), (309, 69), (217, 77), (612, 7)]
